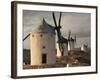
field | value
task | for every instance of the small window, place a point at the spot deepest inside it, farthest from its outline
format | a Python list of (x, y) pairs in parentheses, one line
[(41, 35), (43, 47)]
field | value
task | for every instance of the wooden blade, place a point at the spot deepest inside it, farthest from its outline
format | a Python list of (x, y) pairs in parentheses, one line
[(26, 37), (60, 19), (54, 19)]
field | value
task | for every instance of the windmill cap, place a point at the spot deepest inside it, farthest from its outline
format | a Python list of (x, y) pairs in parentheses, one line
[(44, 27), (71, 39), (63, 40)]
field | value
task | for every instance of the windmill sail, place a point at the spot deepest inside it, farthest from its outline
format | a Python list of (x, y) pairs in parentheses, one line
[(60, 19), (57, 28), (26, 37), (54, 19)]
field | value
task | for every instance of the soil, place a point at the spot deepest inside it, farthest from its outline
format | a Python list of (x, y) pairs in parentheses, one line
[(74, 59)]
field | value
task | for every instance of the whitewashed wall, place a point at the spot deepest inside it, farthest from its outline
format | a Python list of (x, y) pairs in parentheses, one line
[(36, 45)]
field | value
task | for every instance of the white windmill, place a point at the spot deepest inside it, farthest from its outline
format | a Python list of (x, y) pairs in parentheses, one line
[(42, 44)]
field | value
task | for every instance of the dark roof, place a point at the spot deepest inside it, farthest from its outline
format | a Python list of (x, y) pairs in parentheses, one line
[(44, 27), (71, 39), (63, 40)]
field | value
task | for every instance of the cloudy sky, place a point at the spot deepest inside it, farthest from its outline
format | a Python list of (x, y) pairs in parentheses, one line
[(78, 23)]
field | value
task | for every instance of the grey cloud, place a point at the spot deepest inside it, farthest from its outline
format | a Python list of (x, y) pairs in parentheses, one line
[(78, 23)]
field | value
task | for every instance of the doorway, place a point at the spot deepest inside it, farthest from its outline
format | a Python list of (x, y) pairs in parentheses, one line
[(44, 58)]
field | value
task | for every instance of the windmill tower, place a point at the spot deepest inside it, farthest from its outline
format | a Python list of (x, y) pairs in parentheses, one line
[(42, 44), (62, 43)]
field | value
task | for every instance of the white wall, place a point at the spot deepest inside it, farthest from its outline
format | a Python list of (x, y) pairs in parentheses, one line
[(36, 44), (5, 43)]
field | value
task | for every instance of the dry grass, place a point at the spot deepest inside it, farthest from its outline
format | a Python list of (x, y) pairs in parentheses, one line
[(74, 58)]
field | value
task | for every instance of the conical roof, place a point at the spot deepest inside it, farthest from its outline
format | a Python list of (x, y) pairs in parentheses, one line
[(44, 27), (63, 40)]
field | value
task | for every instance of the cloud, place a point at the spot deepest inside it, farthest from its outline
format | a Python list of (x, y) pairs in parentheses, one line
[(78, 23)]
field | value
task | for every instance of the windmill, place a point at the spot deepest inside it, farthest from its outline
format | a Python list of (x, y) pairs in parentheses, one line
[(71, 41), (42, 44), (57, 28)]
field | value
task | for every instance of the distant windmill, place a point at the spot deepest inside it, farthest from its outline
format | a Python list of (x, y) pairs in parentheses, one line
[(71, 41)]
